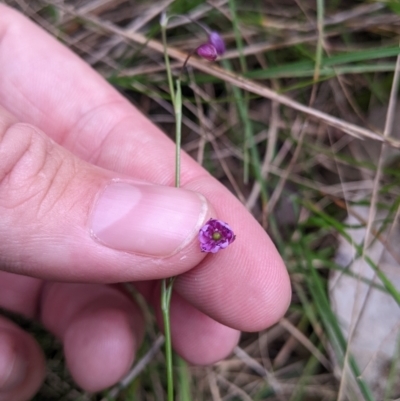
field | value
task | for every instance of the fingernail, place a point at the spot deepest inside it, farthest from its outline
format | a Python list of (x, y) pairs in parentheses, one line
[(13, 364), (147, 219)]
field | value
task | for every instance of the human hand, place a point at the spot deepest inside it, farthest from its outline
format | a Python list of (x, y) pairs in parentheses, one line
[(86, 201)]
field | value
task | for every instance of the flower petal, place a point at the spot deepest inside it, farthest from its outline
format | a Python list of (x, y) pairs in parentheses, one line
[(208, 242)]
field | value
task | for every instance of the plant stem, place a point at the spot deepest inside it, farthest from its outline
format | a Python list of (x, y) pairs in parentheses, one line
[(167, 284), (166, 292), (167, 64), (178, 132)]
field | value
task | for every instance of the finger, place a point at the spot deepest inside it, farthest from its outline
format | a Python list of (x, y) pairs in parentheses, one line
[(101, 330), (65, 219), (85, 114), (20, 294), (251, 291), (22, 365), (196, 337), (103, 128)]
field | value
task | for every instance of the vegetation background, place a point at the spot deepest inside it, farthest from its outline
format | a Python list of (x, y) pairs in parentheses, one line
[(296, 119)]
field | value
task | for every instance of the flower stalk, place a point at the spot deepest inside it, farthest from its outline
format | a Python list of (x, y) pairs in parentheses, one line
[(210, 51), (167, 283), (166, 293)]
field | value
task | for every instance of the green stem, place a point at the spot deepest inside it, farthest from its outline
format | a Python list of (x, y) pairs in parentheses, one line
[(167, 64), (178, 132), (166, 291), (167, 284)]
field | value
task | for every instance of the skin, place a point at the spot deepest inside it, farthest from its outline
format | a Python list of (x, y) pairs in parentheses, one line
[(65, 133)]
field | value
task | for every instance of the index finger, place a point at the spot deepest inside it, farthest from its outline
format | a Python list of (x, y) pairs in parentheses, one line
[(41, 82)]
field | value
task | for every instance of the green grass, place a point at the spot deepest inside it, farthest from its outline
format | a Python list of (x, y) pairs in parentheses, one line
[(298, 178)]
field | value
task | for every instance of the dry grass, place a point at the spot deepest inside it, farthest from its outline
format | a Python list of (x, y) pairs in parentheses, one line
[(284, 120)]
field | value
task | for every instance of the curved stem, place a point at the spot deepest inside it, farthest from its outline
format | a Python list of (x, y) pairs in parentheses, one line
[(202, 26)]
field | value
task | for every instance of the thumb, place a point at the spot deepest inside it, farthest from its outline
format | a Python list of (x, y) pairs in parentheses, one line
[(65, 219)]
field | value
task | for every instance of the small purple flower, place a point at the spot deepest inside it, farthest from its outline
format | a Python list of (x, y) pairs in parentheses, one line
[(207, 51), (213, 48), (216, 40), (215, 235)]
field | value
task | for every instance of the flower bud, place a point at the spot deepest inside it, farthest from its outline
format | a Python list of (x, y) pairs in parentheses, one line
[(216, 40), (164, 19), (207, 51)]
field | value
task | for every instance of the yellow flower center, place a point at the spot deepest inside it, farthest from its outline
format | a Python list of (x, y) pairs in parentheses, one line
[(216, 236)]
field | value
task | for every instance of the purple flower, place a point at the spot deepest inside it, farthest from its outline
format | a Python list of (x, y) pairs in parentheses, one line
[(213, 48), (207, 51), (215, 39), (215, 235)]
